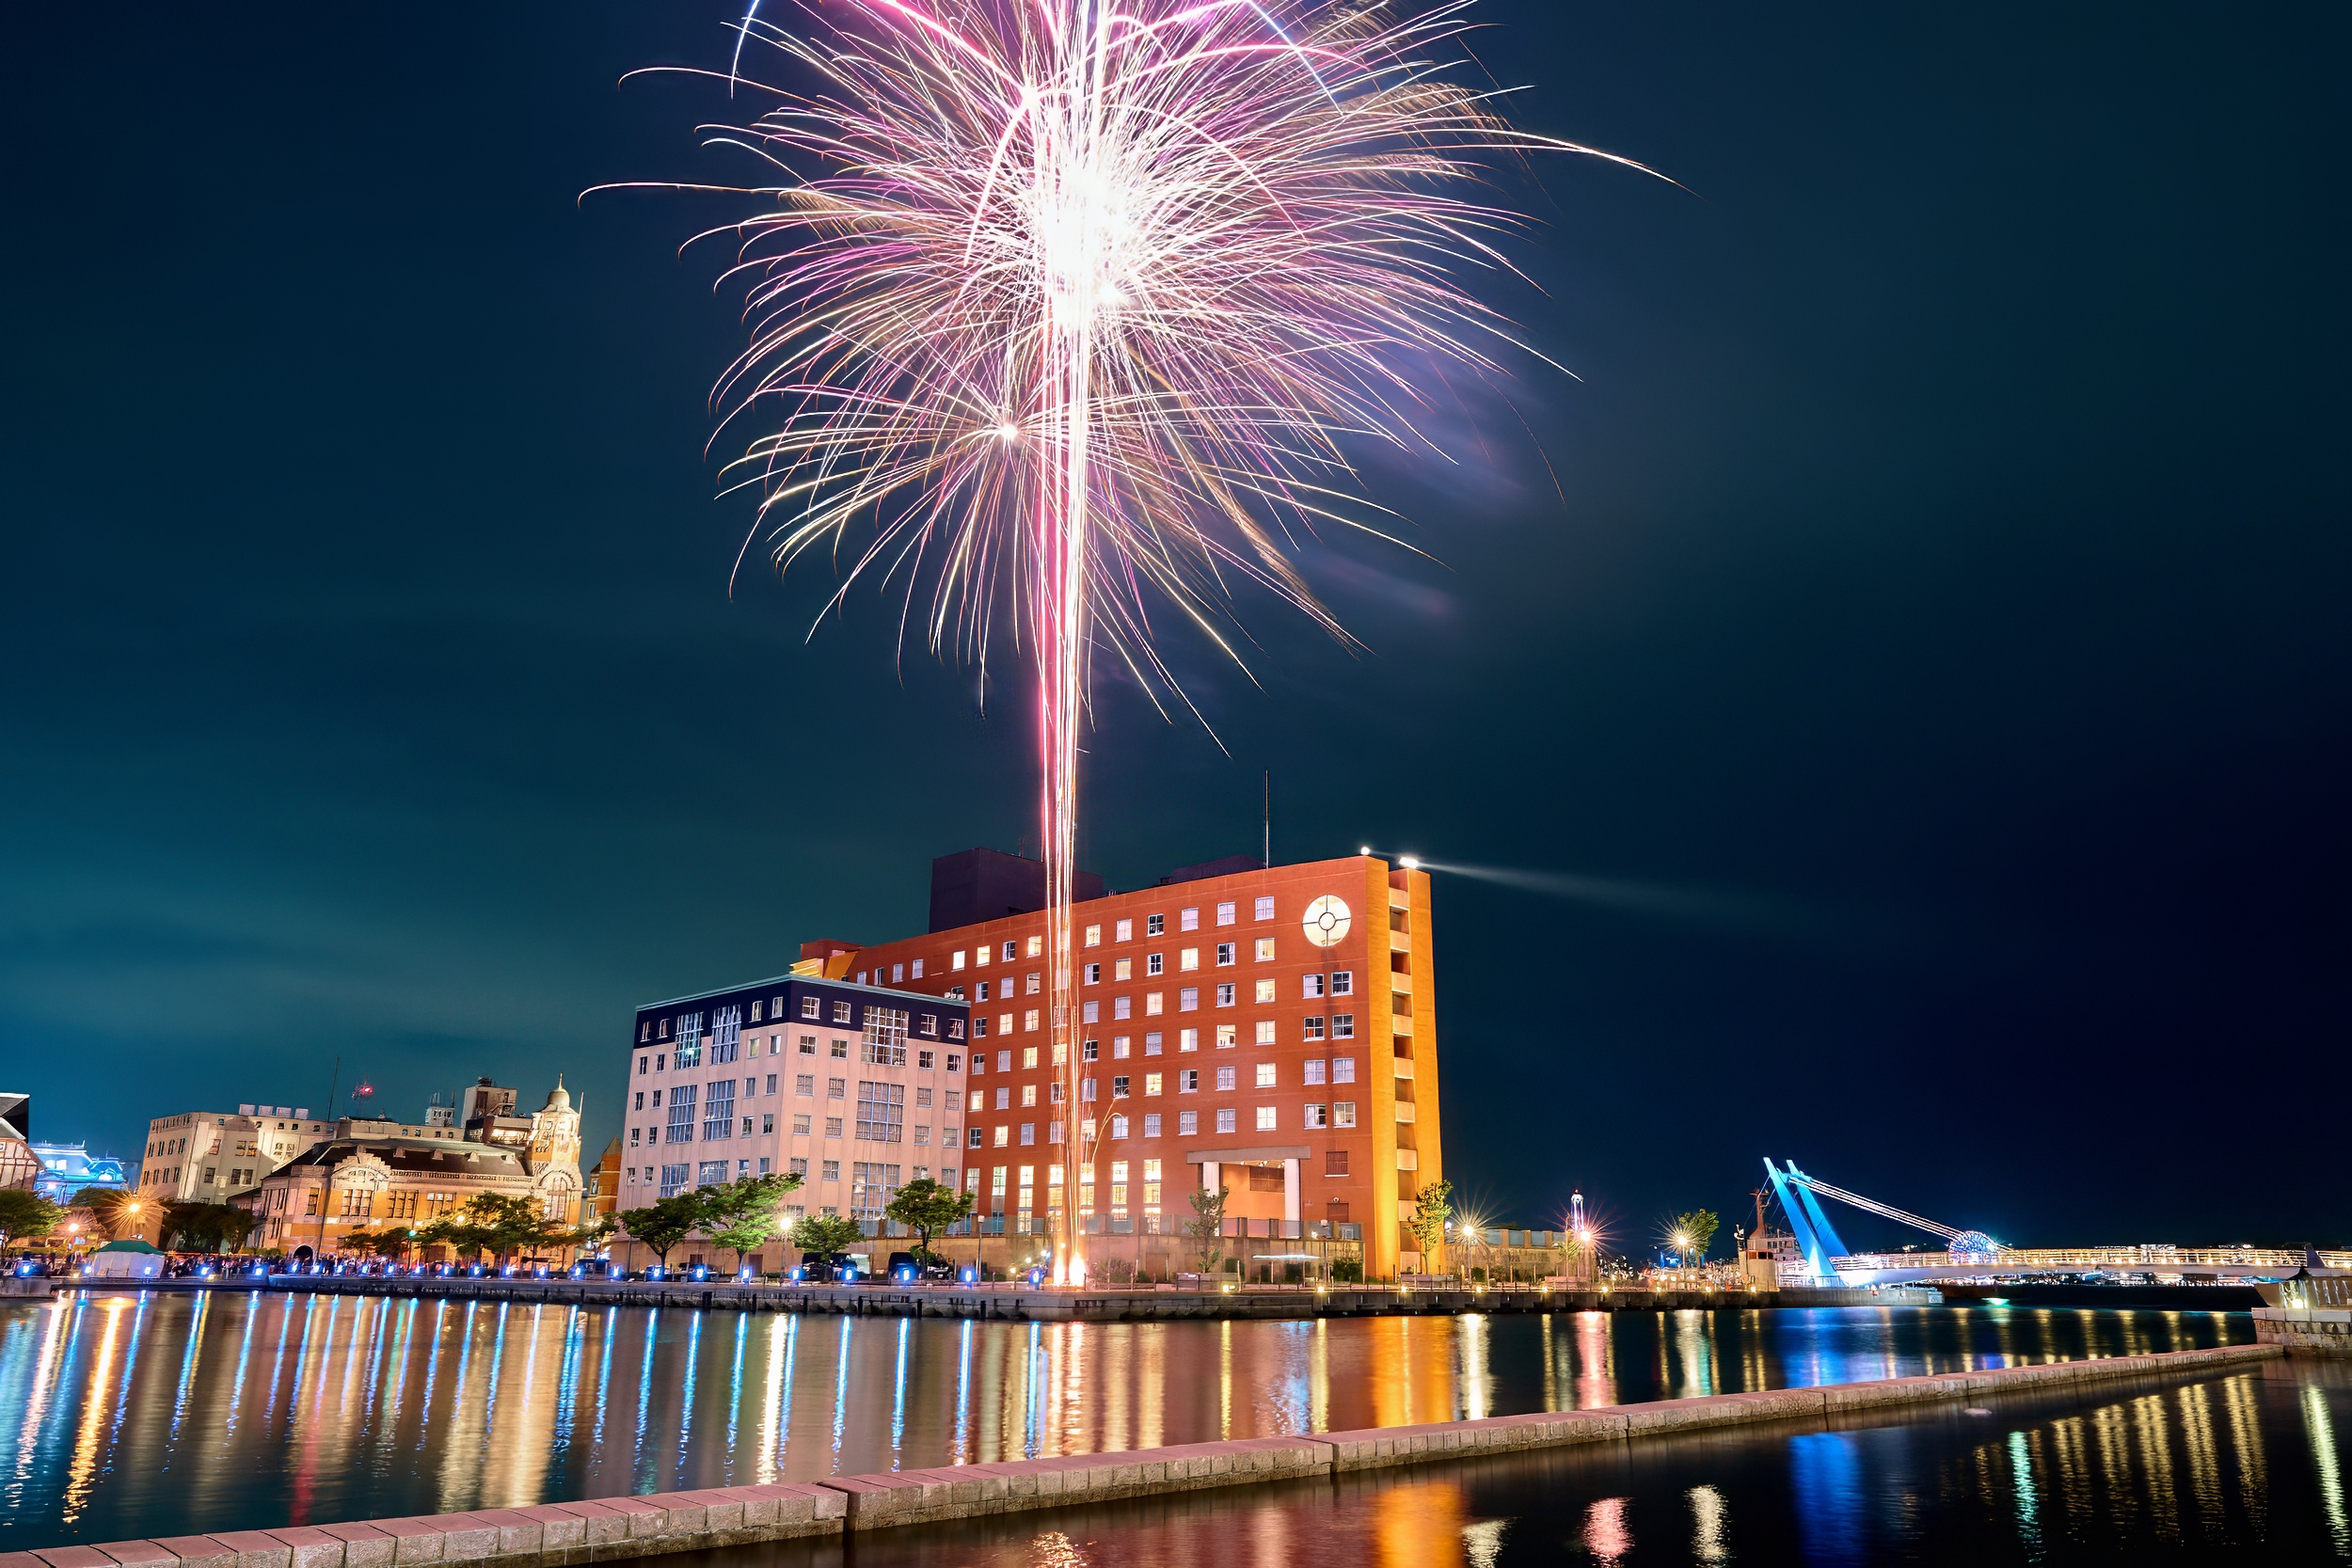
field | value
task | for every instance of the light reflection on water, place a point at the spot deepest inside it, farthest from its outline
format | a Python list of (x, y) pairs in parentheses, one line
[(135, 1413), (2238, 1468)]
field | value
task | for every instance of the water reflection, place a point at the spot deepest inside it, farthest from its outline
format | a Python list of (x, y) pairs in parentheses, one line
[(138, 1413), (2026, 1480)]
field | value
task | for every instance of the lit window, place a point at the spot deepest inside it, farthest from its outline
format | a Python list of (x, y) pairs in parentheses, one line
[(1151, 1085), (1266, 1118), (1343, 1114), (1037, 946), (1123, 968), (1266, 1031), (1188, 958), (1004, 1137), (1094, 936), (1030, 984), (1264, 991), (955, 960), (1228, 1036), (1265, 1075), (1187, 1039), (979, 953), (1126, 932), (1154, 1004)]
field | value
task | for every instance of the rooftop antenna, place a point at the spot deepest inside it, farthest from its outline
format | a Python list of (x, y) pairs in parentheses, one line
[(1268, 861)]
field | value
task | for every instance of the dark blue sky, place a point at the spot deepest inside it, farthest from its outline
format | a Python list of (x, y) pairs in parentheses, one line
[(1948, 595)]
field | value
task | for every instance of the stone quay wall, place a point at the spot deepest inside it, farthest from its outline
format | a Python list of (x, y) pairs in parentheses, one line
[(2305, 1330), (1016, 1304), (604, 1528)]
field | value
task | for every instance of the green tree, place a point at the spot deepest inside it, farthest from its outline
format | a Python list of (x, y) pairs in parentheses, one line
[(926, 1208), (1207, 1225), (207, 1227), (665, 1223), (25, 1216), (746, 1213), (824, 1235), (1689, 1234), (1433, 1207)]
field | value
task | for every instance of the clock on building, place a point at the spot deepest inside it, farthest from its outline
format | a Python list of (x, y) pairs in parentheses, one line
[(1327, 921)]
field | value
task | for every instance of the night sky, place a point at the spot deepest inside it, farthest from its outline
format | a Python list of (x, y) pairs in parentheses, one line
[(1919, 707)]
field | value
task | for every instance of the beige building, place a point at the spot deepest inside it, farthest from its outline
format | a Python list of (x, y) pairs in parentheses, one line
[(367, 1174), (213, 1156)]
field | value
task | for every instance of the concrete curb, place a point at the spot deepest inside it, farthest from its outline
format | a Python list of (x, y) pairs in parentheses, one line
[(602, 1528)]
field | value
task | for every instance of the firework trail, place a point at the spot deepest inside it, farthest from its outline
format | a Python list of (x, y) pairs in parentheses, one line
[(1067, 309)]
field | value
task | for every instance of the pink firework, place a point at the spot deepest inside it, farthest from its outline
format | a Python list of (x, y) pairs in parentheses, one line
[(1069, 309)]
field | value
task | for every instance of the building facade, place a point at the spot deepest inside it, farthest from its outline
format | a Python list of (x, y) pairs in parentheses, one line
[(70, 1168), (1269, 1031), (855, 1088), (367, 1174), (213, 1156)]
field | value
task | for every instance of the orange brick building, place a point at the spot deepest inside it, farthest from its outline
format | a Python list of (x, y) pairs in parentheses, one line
[(1269, 1029)]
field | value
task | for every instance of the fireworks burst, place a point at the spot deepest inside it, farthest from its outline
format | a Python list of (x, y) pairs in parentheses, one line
[(1068, 310)]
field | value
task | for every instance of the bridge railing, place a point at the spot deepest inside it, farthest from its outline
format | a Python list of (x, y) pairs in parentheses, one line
[(2132, 1259)]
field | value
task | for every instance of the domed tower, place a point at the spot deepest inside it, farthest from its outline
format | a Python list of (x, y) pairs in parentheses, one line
[(555, 1154)]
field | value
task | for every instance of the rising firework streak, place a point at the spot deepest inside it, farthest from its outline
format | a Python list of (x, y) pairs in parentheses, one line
[(1065, 310)]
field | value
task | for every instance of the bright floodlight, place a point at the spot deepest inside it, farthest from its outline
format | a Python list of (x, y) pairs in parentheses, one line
[(1410, 862), (1365, 850)]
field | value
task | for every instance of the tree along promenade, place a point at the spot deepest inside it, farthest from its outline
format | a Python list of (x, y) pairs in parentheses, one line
[(1029, 1304), (604, 1528)]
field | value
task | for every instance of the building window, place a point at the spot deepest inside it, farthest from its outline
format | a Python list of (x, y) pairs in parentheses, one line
[(1264, 991), (681, 1130), (1228, 1036), (1225, 912), (805, 1085), (838, 1050), (832, 1171), (1187, 1039), (1225, 1076), (881, 1112), (918, 969), (1317, 1118), (1152, 1125), (955, 1032), (1343, 1026), (1119, 1127), (719, 1109), (1266, 906), (1118, 1086), (711, 1173), (931, 1030), (872, 1184), (1189, 999), (1004, 1134), (1311, 1029), (1154, 964), (1152, 1007), (1189, 958), (884, 1043), (1265, 1075), (1188, 920), (766, 1124), (1225, 1120), (1266, 1031), (1342, 1070), (1189, 1080), (1028, 1133), (675, 1178), (1093, 975), (836, 1089), (1091, 1050), (1314, 1070), (833, 1127), (1266, 1118), (1151, 1085), (1028, 1095), (812, 1009), (799, 1126), (1188, 1124), (1311, 986), (841, 1012), (1343, 1114), (1342, 982), (808, 1045)]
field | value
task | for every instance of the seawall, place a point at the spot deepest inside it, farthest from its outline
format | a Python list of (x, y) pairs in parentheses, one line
[(1015, 1304), (604, 1528)]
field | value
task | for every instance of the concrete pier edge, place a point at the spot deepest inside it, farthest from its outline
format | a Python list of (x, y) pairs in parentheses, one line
[(601, 1528)]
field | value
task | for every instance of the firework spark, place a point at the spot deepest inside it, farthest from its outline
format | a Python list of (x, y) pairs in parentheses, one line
[(1068, 309)]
